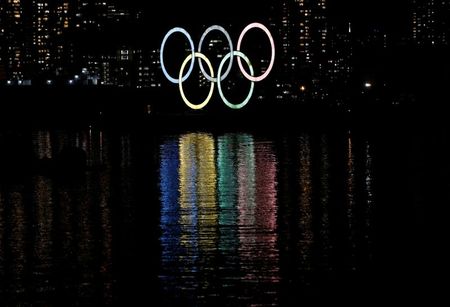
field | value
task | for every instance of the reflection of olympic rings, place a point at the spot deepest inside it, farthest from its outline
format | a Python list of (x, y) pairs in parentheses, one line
[(220, 77)]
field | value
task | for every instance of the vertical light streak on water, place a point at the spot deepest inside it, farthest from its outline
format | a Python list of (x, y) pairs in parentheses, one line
[(2, 243), (369, 197), (324, 199), (85, 236), (246, 205), (66, 227), (106, 235), (18, 241), (227, 187), (208, 216), (126, 151), (170, 214), (43, 241), (267, 250), (227, 190), (188, 216), (42, 145), (350, 195), (306, 235), (206, 194), (94, 146)]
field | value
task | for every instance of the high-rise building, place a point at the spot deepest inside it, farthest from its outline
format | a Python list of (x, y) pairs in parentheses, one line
[(282, 21), (303, 38), (51, 24), (60, 40), (339, 60), (123, 71), (151, 74), (91, 14), (13, 44), (312, 46), (33, 43), (63, 48), (42, 34), (431, 22)]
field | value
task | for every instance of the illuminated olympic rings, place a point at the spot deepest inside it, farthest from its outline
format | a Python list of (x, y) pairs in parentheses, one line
[(180, 84), (220, 77)]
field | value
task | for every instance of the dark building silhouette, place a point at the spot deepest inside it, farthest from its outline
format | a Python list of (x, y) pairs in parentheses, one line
[(68, 42), (314, 54), (430, 22), (14, 40), (324, 48)]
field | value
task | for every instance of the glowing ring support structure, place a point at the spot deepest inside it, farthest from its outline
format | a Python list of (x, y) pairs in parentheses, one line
[(180, 84), (219, 86), (230, 44), (161, 54), (272, 44)]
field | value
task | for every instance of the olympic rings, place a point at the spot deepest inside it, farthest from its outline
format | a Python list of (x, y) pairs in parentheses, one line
[(161, 58), (191, 57), (272, 45), (180, 84), (230, 44), (219, 86)]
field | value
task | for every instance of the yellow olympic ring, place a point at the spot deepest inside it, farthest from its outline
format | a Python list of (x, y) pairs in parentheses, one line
[(180, 77)]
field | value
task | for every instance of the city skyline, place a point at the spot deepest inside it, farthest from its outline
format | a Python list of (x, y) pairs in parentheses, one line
[(324, 46), (223, 153)]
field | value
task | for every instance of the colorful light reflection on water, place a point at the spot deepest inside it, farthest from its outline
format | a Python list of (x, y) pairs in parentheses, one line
[(229, 236), (218, 216)]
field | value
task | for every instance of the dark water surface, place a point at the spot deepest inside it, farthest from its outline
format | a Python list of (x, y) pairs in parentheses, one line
[(220, 218)]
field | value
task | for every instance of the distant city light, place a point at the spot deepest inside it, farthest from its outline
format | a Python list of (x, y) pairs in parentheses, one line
[(45, 43)]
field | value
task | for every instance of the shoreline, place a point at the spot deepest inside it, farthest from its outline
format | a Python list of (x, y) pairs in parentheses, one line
[(77, 107)]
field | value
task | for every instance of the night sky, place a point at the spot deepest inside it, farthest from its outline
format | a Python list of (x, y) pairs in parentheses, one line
[(392, 16), (194, 15), (361, 12), (200, 12)]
